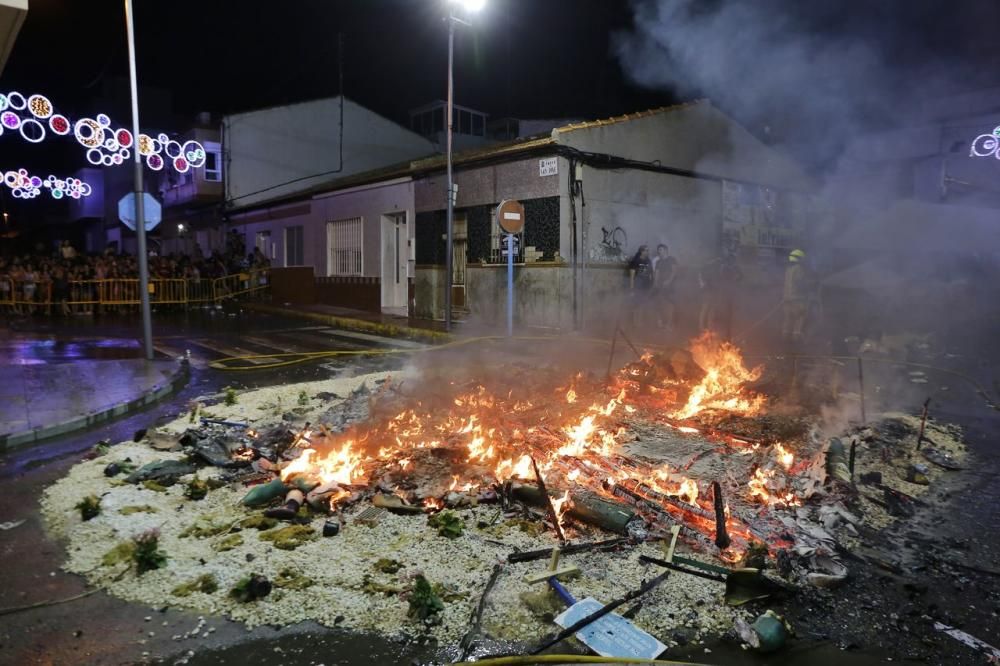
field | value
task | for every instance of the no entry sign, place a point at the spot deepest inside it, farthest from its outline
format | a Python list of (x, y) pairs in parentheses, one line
[(510, 216)]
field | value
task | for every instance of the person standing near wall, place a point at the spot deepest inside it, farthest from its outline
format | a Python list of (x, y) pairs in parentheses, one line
[(664, 279), (640, 282)]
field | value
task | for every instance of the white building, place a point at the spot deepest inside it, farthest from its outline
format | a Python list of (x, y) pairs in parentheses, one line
[(593, 192), (274, 152)]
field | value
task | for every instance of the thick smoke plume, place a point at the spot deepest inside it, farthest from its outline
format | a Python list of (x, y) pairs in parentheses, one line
[(808, 74)]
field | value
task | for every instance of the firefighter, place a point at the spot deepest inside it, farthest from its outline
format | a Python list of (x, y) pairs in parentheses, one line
[(798, 290)]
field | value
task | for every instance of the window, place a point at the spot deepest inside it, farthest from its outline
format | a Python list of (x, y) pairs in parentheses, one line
[(346, 243), (262, 241), (213, 167), (293, 246)]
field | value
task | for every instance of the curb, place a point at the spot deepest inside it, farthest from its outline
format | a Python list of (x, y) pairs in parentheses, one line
[(159, 391), (350, 324)]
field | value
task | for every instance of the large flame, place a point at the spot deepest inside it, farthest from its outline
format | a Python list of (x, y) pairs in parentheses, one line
[(493, 432), (725, 375)]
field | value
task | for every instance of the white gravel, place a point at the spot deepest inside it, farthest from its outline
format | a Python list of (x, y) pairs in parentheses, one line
[(339, 564)]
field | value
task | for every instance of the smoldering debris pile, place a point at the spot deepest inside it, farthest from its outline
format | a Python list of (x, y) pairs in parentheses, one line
[(355, 503)]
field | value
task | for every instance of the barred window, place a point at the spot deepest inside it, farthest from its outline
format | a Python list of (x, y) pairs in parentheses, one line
[(346, 242)]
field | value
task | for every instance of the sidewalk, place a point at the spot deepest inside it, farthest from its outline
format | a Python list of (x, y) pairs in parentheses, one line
[(423, 330), (46, 400)]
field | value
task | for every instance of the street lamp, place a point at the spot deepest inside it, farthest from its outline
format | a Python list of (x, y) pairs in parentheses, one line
[(140, 218), (469, 6)]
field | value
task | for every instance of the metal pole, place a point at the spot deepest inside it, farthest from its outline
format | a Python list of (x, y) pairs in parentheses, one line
[(451, 189), (510, 285), (140, 218)]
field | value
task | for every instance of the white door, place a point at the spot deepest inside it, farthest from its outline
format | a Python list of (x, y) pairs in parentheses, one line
[(395, 255)]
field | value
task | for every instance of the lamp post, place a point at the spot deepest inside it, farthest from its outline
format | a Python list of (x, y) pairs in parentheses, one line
[(140, 217), (468, 6)]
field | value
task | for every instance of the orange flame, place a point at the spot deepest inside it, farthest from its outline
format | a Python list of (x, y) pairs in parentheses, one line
[(722, 385), (560, 506)]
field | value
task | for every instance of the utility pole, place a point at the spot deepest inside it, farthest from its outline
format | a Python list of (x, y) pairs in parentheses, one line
[(140, 218)]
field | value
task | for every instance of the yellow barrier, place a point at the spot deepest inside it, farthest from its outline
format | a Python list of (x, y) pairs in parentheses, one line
[(173, 291)]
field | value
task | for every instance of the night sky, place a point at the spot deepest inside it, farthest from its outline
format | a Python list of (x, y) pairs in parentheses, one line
[(521, 58), (526, 58)]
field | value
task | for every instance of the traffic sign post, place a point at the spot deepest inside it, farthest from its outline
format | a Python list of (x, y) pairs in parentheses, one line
[(152, 212), (510, 217)]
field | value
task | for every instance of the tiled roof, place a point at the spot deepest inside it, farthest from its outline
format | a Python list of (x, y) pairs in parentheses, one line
[(625, 118)]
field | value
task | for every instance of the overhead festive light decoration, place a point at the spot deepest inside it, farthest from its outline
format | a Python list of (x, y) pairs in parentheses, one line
[(105, 144), (25, 186), (986, 145)]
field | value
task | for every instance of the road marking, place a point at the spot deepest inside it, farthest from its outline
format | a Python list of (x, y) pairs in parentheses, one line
[(232, 351), (197, 361), (373, 339)]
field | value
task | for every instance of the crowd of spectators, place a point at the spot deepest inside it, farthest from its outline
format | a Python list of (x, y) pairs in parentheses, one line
[(38, 281)]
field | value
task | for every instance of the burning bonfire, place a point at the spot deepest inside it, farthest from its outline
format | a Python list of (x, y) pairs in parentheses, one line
[(676, 444), (490, 443)]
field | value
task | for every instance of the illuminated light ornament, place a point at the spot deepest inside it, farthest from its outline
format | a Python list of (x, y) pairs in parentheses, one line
[(986, 145), (171, 148), (88, 133), (105, 144), (10, 120), (16, 100), (145, 145), (40, 106), (194, 153), (32, 130), (154, 162), (59, 124)]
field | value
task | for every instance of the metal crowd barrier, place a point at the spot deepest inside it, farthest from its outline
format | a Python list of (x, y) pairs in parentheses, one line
[(173, 291)]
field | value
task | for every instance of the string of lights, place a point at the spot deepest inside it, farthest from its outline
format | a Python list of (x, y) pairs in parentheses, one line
[(986, 145), (34, 116), (26, 186)]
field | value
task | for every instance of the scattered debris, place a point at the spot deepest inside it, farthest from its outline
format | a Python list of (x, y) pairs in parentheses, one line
[(251, 588), (147, 554), (89, 507), (970, 640), (767, 634), (11, 524), (423, 602), (447, 524), (289, 538), (206, 583)]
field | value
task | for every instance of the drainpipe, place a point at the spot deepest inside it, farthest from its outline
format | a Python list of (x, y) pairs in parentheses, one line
[(574, 258)]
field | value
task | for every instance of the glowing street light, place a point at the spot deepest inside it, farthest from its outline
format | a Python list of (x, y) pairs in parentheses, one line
[(468, 6)]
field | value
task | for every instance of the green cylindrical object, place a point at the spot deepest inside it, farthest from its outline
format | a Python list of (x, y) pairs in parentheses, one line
[(265, 492), (836, 461), (771, 630)]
